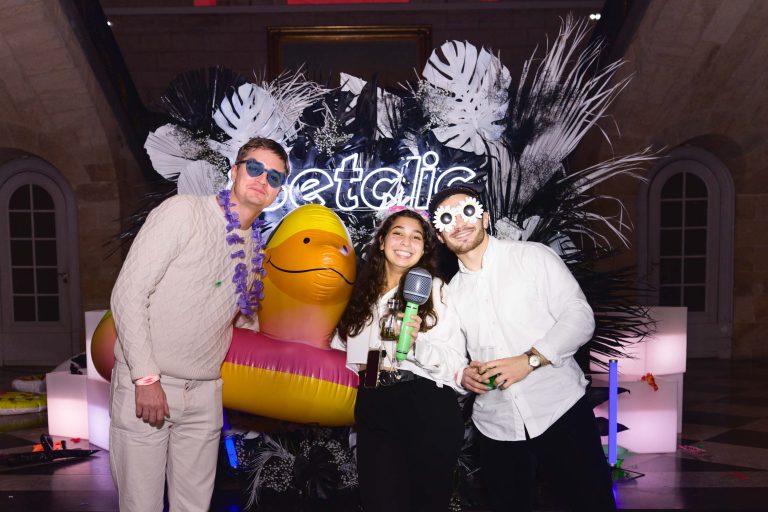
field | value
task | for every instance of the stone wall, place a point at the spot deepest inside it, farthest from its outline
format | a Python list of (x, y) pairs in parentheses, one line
[(701, 79), (53, 108), (158, 44)]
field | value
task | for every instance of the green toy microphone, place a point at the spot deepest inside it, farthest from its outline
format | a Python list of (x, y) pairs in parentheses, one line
[(416, 291)]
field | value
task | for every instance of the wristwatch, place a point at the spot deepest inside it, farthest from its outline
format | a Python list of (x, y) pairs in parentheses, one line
[(533, 359)]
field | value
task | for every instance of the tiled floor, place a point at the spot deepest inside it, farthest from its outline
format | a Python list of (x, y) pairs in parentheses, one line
[(725, 419)]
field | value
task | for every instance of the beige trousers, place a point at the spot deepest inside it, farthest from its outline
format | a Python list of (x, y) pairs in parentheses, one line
[(183, 451)]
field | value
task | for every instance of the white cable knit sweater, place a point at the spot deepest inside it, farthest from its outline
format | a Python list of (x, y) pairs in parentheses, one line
[(174, 300)]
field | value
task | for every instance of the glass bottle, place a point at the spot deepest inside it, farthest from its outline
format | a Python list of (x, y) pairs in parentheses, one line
[(390, 323)]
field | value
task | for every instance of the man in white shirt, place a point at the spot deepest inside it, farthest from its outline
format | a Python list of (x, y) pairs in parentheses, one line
[(524, 317)]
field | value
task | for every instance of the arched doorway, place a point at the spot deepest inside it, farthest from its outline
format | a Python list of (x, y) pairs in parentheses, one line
[(687, 213), (39, 277)]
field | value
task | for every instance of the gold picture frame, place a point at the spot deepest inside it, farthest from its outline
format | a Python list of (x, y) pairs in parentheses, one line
[(390, 52)]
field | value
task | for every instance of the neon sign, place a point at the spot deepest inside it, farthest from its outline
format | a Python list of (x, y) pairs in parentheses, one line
[(350, 187)]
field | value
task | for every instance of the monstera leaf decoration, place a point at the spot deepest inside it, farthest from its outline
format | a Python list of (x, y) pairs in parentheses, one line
[(170, 150), (250, 112), (476, 85), (269, 110)]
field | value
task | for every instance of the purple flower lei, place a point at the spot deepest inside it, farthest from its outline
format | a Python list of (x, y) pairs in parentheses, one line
[(248, 301)]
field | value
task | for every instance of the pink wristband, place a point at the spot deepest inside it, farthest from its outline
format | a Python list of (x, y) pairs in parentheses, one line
[(146, 381), (457, 378)]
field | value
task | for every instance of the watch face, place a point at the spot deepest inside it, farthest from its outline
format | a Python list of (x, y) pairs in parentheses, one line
[(534, 360)]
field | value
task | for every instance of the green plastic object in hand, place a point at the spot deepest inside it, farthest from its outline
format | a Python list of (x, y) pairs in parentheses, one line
[(411, 308)]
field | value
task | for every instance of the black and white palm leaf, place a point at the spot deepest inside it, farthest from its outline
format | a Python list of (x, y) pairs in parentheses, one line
[(620, 320), (476, 84), (191, 100), (566, 207), (551, 109), (161, 189), (264, 109), (193, 97)]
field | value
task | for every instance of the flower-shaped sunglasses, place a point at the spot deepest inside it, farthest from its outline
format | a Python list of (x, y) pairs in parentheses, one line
[(469, 209), (256, 169)]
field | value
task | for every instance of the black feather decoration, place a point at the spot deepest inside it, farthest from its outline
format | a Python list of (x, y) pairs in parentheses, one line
[(193, 97)]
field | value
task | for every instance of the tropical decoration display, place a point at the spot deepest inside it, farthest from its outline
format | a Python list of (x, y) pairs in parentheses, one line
[(467, 119), (359, 148), (304, 470)]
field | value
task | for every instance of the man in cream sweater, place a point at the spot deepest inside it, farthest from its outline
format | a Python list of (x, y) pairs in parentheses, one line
[(190, 271)]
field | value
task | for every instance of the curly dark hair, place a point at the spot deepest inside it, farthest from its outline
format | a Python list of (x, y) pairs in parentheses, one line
[(372, 279)]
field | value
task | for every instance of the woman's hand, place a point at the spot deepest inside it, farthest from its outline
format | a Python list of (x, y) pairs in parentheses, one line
[(473, 379), (414, 324)]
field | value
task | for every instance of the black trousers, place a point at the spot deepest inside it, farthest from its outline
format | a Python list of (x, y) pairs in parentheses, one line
[(408, 440), (571, 446)]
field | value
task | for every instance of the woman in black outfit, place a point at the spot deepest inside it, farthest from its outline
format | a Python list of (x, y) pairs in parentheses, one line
[(409, 426)]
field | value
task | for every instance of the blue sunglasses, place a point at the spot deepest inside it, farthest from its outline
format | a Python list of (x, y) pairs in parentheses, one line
[(256, 169)]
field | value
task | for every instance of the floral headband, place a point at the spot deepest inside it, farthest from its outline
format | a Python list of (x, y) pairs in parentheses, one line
[(469, 209), (386, 212)]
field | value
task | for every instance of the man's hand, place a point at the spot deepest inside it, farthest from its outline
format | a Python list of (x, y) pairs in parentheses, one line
[(151, 405), (507, 370), (473, 380)]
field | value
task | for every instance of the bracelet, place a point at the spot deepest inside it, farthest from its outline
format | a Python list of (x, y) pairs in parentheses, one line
[(146, 381)]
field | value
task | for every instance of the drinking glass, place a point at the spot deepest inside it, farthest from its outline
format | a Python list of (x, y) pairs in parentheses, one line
[(485, 354)]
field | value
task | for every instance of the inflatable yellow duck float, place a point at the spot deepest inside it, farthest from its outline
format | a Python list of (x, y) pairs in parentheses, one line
[(287, 370)]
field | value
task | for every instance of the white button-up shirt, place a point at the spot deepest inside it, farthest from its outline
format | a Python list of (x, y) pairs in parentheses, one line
[(523, 296), (438, 354)]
